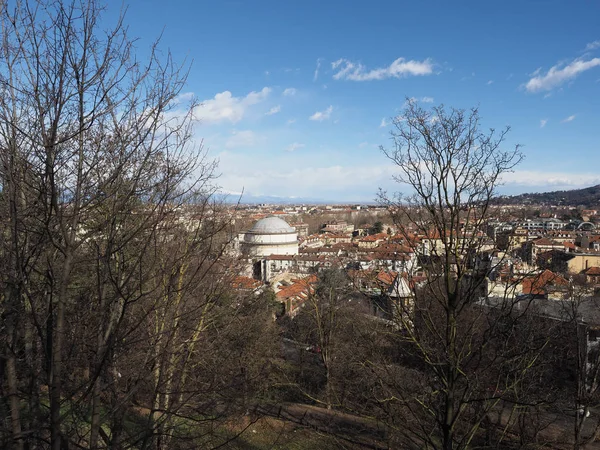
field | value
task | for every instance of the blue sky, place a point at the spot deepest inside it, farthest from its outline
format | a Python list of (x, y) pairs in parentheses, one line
[(297, 96)]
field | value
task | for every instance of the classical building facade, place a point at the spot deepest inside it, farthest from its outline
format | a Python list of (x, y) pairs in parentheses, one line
[(270, 236)]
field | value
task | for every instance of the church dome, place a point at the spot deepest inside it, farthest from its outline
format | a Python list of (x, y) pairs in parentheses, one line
[(270, 236), (271, 225)]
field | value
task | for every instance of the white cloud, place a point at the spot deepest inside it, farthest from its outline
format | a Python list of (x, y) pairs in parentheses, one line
[(273, 110), (224, 107), (559, 74), (490, 82), (569, 119), (291, 121), (348, 70), (182, 98), (286, 176), (242, 138), (295, 146), (320, 116), (543, 122), (384, 123), (546, 179), (415, 100), (289, 92), (316, 75), (592, 46), (338, 182)]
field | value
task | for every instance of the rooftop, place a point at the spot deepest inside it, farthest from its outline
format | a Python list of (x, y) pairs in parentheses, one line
[(271, 225)]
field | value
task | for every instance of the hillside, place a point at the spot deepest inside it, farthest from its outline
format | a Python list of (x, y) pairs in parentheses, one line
[(587, 197)]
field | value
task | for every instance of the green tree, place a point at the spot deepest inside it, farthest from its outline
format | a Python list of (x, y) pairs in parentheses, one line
[(377, 228)]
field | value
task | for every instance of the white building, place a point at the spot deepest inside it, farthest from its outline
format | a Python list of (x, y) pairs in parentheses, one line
[(270, 236)]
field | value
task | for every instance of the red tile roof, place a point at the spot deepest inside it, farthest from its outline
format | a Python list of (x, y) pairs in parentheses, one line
[(374, 278), (593, 271), (375, 237), (241, 282), (537, 284), (300, 289)]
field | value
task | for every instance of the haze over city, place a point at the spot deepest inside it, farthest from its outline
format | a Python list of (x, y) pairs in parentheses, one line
[(298, 97)]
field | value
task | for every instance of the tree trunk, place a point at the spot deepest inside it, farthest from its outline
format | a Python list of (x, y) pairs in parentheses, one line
[(11, 369), (328, 390), (95, 424), (56, 358)]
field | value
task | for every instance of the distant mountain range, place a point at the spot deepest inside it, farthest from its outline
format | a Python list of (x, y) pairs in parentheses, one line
[(267, 199), (587, 197), (250, 199)]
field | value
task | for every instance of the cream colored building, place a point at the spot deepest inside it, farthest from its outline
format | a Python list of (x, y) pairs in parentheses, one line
[(583, 261), (269, 236)]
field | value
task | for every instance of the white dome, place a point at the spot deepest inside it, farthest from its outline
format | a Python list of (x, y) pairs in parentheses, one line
[(271, 225), (270, 236)]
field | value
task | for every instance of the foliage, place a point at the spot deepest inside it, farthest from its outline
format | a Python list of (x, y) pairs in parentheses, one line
[(376, 228)]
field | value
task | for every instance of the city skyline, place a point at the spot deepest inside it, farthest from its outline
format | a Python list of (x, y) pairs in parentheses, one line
[(295, 100)]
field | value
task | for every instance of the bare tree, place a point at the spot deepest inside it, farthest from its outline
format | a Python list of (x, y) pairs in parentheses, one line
[(111, 243), (330, 325), (579, 319), (469, 347)]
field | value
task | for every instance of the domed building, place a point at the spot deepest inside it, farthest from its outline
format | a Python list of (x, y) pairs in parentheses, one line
[(270, 236)]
